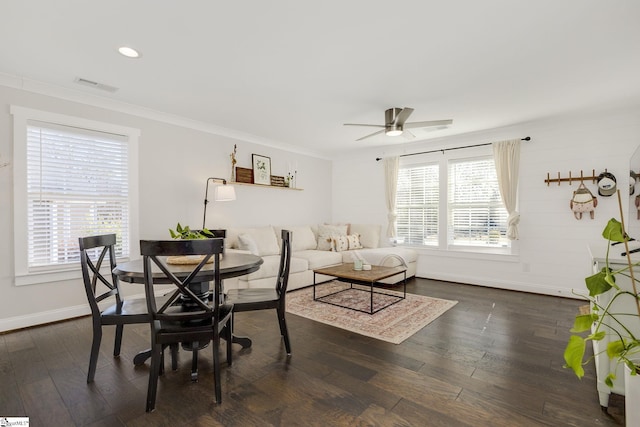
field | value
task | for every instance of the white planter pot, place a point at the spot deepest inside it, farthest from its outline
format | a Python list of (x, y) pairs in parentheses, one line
[(631, 398)]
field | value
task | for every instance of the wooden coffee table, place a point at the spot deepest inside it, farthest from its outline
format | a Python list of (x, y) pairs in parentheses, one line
[(368, 278)]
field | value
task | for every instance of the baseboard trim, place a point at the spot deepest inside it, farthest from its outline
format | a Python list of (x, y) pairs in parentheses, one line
[(510, 285), (65, 313), (34, 319)]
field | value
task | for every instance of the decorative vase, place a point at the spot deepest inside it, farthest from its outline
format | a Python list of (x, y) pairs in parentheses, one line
[(631, 397)]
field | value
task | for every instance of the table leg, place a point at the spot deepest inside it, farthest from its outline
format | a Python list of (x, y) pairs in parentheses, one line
[(245, 342), (371, 306), (141, 357)]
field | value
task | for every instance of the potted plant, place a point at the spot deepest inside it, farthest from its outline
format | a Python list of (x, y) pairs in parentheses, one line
[(605, 319), (186, 233)]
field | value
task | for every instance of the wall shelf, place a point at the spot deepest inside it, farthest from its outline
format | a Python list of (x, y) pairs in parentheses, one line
[(265, 186)]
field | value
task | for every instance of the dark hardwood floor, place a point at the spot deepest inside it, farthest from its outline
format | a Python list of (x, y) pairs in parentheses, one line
[(495, 359)]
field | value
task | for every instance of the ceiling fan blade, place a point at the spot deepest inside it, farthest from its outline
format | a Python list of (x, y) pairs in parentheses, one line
[(402, 116), (370, 135), (361, 124), (427, 124), (408, 134)]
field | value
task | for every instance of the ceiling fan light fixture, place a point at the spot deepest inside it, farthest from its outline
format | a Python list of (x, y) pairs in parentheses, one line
[(393, 131), (396, 121)]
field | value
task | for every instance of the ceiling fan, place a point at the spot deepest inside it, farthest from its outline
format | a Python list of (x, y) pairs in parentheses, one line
[(395, 123)]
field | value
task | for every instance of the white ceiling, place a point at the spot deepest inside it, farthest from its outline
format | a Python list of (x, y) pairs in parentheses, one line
[(290, 73)]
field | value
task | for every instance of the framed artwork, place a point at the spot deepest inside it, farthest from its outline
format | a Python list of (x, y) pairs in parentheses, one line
[(261, 169)]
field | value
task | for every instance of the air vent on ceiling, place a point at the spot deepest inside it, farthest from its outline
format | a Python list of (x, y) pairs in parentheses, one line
[(95, 85)]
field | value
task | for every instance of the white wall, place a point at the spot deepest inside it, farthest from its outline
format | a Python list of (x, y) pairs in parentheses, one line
[(552, 251), (175, 162)]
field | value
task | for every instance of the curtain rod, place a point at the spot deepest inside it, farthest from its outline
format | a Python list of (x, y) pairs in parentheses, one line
[(526, 138)]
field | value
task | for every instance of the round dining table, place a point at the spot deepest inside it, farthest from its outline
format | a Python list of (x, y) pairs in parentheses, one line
[(231, 265)]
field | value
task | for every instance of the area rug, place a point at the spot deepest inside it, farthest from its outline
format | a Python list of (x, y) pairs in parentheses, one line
[(393, 324)]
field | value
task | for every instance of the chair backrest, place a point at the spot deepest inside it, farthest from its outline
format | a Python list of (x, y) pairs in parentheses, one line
[(175, 308), (103, 247), (285, 262)]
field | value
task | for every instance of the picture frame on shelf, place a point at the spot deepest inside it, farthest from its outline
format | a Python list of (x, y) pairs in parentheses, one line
[(261, 169)]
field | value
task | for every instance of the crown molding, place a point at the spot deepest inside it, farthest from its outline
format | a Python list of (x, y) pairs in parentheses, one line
[(67, 94)]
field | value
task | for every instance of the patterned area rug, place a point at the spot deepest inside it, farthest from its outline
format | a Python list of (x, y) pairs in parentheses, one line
[(393, 324)]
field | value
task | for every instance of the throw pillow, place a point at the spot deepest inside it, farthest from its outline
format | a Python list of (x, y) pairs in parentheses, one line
[(354, 241), (302, 237), (326, 232), (369, 234), (246, 243), (339, 243), (266, 240)]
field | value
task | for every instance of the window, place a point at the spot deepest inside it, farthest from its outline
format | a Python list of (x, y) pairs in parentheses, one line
[(417, 202), (477, 216), (73, 178), (451, 203)]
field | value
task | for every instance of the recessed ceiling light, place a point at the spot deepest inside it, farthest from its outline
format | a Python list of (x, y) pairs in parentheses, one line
[(129, 52)]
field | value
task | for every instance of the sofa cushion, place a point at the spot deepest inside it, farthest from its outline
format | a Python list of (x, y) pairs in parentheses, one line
[(231, 238), (266, 240), (369, 234), (326, 232), (376, 256), (319, 259), (271, 264), (246, 243), (303, 237), (264, 237)]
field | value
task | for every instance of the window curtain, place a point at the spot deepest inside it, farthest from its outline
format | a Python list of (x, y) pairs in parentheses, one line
[(506, 155), (391, 165)]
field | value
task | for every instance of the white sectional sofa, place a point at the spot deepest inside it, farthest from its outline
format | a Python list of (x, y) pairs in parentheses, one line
[(313, 246)]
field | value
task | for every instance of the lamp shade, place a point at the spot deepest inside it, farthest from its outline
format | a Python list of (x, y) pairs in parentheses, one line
[(224, 193)]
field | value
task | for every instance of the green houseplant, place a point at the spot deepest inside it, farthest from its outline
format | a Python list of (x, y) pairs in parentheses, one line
[(185, 233), (615, 316), (624, 346)]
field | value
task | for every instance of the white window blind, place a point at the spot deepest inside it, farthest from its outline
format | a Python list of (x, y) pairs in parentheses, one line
[(77, 185), (477, 216), (417, 203)]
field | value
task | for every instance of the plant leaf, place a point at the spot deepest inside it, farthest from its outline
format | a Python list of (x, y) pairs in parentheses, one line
[(616, 349), (597, 336), (610, 379), (583, 322), (597, 283), (206, 233), (573, 354), (613, 231)]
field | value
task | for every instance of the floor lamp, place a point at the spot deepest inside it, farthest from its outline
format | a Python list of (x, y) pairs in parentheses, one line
[(222, 193)]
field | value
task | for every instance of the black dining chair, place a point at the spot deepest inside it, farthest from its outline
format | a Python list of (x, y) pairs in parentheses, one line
[(187, 316), (251, 299), (101, 286)]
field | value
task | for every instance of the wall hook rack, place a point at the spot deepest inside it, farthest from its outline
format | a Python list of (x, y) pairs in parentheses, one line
[(593, 177)]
